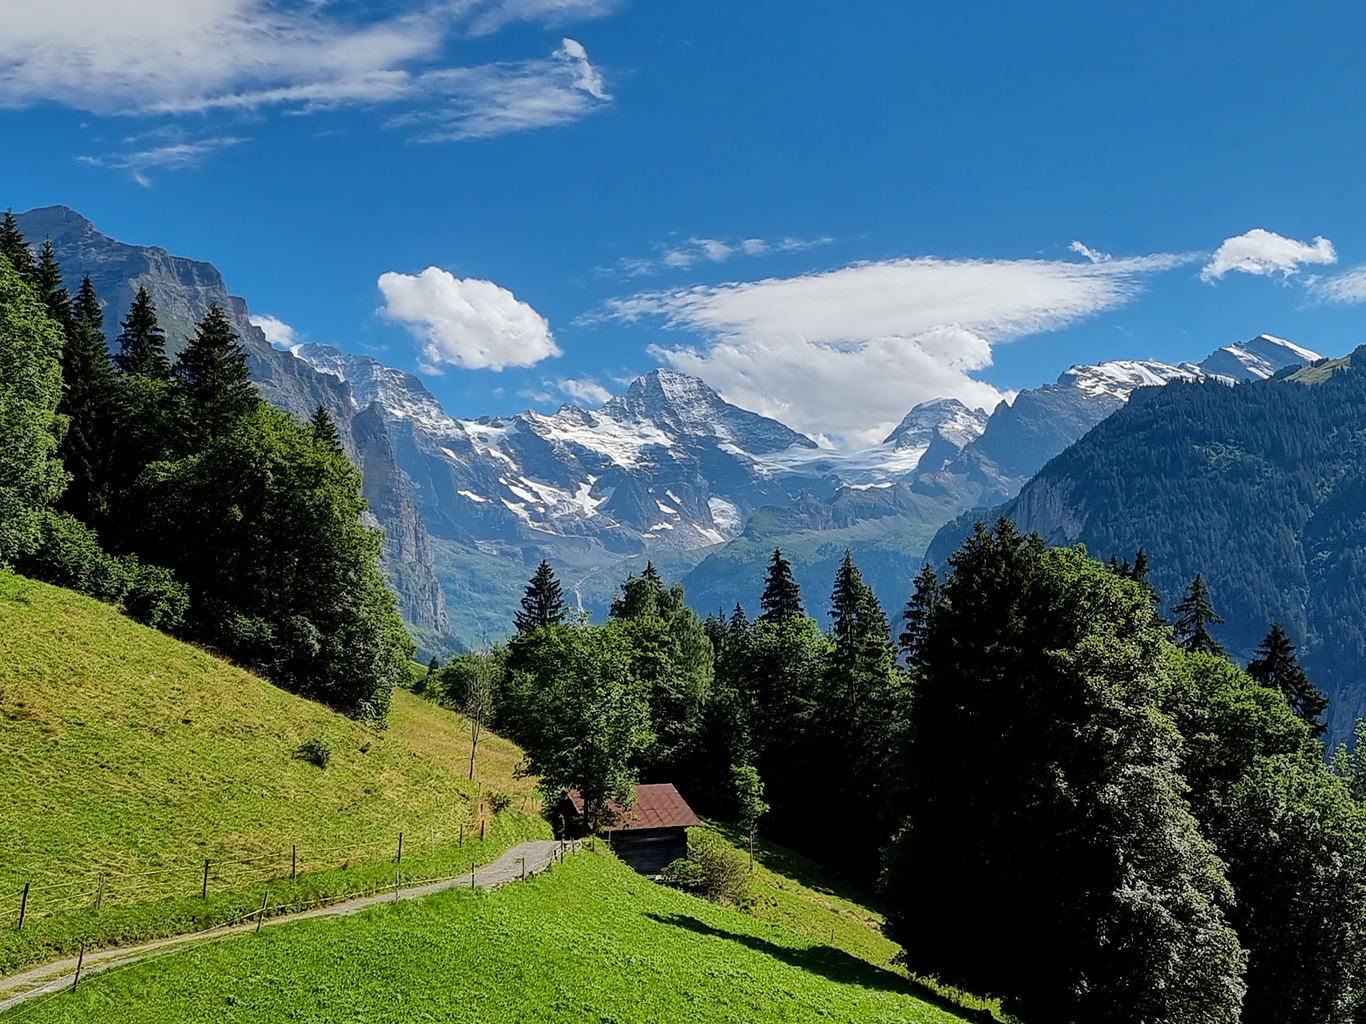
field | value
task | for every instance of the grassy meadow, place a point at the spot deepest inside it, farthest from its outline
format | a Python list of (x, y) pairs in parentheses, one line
[(127, 755), (589, 941)]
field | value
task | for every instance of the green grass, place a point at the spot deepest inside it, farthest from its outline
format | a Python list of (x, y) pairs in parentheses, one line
[(590, 941), (129, 755), (798, 894)]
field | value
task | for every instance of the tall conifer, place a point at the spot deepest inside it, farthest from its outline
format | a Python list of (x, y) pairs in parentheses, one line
[(47, 282), (918, 610), (1277, 667), (14, 248), (142, 342), (782, 599), (87, 398), (543, 604), (212, 374), (1194, 615), (325, 429)]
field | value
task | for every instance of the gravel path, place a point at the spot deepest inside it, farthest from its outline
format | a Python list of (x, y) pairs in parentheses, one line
[(521, 860)]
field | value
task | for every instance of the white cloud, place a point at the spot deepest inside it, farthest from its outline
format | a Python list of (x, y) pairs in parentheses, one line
[(847, 352), (499, 98), (1094, 255), (712, 250), (465, 321), (1348, 287), (1266, 253), (166, 150), (489, 18), (277, 332), (585, 390), (178, 57)]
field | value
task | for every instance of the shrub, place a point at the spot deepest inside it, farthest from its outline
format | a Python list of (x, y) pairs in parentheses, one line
[(500, 802), (154, 597), (713, 869), (315, 752), (69, 555)]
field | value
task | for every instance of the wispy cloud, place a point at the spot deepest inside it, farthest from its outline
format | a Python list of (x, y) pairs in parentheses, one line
[(172, 58), (879, 336), (277, 332), (584, 390), (1348, 288), (487, 18), (1265, 254), (684, 255), (165, 150)]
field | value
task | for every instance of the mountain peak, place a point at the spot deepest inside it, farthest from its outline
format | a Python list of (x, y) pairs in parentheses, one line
[(1257, 359), (946, 417)]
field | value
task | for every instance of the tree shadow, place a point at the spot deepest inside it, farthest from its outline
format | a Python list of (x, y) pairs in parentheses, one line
[(833, 964)]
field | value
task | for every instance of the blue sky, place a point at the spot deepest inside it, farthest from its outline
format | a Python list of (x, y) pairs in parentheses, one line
[(830, 212)]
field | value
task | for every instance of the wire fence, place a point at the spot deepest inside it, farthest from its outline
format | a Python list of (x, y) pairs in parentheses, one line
[(225, 873), (288, 907)]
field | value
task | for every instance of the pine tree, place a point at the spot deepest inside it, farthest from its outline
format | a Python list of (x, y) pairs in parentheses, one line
[(918, 611), (543, 604), (325, 429), (88, 390), (47, 282), (142, 342), (782, 598), (212, 374), (739, 621), (1193, 616), (1277, 667), (14, 248)]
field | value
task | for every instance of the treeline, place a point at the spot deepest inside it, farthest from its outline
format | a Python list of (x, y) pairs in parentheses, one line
[(1260, 487), (1064, 800), (170, 488)]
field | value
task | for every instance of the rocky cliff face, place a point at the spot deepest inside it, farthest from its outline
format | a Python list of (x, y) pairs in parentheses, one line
[(183, 289)]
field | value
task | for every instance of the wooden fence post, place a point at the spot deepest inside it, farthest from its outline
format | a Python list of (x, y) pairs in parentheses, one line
[(99, 896), (395, 886), (23, 906), (294, 862), (80, 960), (482, 823), (204, 891), (262, 914), (471, 874), (400, 849), (462, 834)]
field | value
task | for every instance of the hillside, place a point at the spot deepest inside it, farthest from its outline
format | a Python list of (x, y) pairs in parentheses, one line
[(1259, 486), (590, 940), (127, 754)]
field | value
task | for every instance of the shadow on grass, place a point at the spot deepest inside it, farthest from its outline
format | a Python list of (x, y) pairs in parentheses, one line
[(827, 961), (832, 964)]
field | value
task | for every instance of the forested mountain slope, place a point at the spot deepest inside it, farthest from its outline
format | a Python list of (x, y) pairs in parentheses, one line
[(1261, 487)]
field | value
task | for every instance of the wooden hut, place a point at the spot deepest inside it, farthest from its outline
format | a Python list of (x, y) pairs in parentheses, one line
[(650, 834)]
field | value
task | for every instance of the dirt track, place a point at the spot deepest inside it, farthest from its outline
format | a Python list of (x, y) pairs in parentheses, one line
[(522, 859)]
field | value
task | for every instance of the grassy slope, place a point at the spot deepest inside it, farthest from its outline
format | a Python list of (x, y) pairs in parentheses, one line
[(590, 941), (123, 751)]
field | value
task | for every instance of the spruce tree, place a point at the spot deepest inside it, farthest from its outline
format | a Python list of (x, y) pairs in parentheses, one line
[(87, 402), (325, 429), (782, 599), (212, 375), (14, 248), (142, 342), (47, 282), (1277, 667), (1193, 616), (917, 613), (739, 621), (543, 604)]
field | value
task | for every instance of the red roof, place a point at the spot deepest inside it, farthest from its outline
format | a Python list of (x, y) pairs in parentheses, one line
[(656, 806)]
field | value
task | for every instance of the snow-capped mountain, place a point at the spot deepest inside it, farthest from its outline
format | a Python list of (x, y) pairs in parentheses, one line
[(1022, 435), (1257, 359), (668, 464)]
